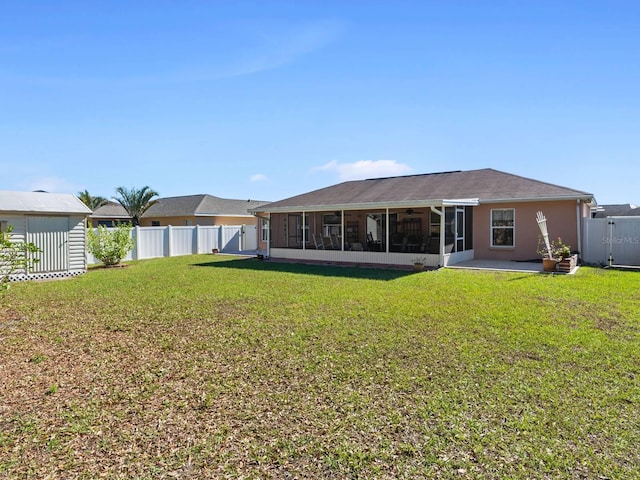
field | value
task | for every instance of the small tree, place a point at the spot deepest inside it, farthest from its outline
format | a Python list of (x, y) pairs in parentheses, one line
[(136, 201), (110, 246), (14, 257), (90, 201)]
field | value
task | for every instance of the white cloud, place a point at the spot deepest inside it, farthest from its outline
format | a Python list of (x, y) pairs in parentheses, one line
[(258, 177), (365, 169)]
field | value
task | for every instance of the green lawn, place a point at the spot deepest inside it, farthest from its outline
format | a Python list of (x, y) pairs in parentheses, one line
[(215, 367)]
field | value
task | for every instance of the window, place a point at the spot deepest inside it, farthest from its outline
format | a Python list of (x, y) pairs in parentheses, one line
[(3, 226), (155, 223), (503, 227), (264, 229), (331, 224), (295, 231), (434, 225)]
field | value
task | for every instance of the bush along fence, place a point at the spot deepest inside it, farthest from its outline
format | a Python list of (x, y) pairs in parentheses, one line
[(170, 241)]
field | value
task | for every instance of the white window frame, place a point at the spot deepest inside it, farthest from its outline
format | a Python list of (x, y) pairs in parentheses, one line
[(492, 228), (264, 229), (331, 228)]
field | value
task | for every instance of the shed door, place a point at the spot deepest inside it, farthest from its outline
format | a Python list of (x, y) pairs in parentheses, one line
[(51, 235)]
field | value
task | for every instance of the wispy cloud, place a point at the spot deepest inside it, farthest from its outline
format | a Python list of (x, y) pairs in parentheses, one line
[(286, 46), (365, 169), (258, 177), (51, 184), (263, 48)]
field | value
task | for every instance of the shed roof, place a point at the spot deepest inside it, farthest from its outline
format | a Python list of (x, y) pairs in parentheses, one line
[(41, 202), (473, 186)]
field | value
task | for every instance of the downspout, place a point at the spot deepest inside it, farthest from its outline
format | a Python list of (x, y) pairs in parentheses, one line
[(441, 249), (579, 226)]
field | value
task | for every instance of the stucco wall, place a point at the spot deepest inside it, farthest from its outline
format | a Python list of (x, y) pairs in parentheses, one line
[(561, 222)]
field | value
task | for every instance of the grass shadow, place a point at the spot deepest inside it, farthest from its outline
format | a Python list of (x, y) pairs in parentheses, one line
[(325, 270)]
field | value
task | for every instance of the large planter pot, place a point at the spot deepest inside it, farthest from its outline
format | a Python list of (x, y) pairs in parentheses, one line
[(418, 267), (549, 264)]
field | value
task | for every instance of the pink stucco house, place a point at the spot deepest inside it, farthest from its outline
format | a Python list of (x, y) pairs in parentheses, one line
[(442, 218)]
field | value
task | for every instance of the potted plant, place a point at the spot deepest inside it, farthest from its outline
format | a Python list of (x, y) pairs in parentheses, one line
[(567, 260), (557, 256), (419, 263), (549, 255)]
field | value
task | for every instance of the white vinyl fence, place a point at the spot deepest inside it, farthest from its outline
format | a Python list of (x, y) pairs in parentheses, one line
[(154, 242), (612, 241)]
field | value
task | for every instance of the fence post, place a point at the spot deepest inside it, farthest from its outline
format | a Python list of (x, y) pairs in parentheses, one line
[(136, 247), (197, 233), (169, 235)]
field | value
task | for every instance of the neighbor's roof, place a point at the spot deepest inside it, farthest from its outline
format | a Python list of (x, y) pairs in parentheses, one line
[(470, 187), (201, 205), (617, 210), (41, 202), (111, 210), (185, 206)]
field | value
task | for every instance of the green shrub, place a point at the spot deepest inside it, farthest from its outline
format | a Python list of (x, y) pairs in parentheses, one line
[(110, 246), (14, 256)]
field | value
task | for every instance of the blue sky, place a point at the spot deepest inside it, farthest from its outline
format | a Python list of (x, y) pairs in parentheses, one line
[(268, 99)]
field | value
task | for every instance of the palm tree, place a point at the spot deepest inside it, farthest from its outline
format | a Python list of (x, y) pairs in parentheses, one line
[(136, 202), (90, 201)]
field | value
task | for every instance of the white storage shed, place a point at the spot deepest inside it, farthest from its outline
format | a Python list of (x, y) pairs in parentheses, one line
[(56, 223)]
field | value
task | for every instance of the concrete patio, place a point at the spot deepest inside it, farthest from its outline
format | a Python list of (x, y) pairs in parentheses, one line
[(503, 265)]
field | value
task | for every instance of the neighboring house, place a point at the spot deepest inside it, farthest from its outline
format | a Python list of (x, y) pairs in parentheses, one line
[(54, 222), (443, 218), (184, 210), (617, 210), (109, 214)]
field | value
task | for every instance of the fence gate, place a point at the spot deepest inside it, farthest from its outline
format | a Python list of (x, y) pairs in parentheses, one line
[(623, 241)]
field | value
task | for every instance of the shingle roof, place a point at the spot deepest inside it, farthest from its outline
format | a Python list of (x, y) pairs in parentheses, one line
[(613, 210), (188, 205), (111, 210), (41, 202), (484, 185), (200, 205)]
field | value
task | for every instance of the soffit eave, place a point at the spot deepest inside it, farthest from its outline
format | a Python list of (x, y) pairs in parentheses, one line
[(222, 215), (368, 205), (586, 198)]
